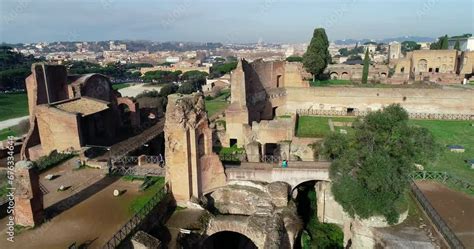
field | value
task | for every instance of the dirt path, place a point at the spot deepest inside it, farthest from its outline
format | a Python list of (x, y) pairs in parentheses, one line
[(90, 223), (457, 209)]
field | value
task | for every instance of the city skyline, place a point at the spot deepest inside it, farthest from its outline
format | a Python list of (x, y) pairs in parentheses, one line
[(272, 21)]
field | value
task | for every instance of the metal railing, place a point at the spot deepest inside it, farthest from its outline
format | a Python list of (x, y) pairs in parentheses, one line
[(126, 160), (443, 177), (137, 171), (134, 223), (441, 225)]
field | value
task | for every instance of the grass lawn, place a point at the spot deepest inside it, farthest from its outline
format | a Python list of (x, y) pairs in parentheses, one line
[(120, 86), (330, 82), (13, 105), (7, 132), (217, 104), (449, 133), (140, 201), (313, 126)]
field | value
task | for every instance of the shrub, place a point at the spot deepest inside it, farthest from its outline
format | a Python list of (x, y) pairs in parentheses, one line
[(51, 160)]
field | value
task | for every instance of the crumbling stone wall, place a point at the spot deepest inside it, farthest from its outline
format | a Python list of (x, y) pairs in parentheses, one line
[(337, 100), (192, 167)]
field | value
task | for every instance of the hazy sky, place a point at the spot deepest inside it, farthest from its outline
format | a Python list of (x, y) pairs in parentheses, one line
[(229, 21)]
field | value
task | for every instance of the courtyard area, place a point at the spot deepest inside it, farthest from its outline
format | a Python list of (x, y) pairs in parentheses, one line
[(86, 213)]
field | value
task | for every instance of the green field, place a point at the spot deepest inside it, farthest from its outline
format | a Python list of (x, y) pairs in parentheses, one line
[(330, 83), (450, 133), (13, 105), (120, 86), (312, 126), (217, 104), (7, 132), (445, 132)]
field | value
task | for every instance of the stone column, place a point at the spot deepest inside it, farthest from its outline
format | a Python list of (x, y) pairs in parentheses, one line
[(28, 197), (321, 187)]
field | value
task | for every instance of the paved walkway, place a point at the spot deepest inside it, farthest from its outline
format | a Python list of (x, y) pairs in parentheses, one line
[(11, 122), (134, 90)]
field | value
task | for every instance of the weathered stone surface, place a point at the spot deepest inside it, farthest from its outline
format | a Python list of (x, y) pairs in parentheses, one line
[(28, 197), (263, 231), (194, 169), (242, 200), (142, 240), (279, 193)]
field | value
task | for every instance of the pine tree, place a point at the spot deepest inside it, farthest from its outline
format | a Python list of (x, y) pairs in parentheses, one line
[(365, 71), (317, 56)]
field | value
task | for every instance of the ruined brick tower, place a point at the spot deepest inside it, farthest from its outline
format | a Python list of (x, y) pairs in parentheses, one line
[(28, 197), (192, 167)]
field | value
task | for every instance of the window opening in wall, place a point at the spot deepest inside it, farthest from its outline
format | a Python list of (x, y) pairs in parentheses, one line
[(350, 111)]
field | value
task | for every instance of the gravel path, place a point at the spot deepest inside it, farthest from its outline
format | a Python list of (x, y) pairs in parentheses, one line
[(11, 122), (134, 90)]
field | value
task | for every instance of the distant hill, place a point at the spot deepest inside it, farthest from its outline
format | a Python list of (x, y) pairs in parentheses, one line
[(386, 40)]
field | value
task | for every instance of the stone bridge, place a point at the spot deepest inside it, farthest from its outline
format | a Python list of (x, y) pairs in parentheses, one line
[(296, 173)]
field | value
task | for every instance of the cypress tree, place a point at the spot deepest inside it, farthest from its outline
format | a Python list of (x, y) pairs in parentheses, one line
[(317, 56), (457, 46), (444, 42), (365, 71)]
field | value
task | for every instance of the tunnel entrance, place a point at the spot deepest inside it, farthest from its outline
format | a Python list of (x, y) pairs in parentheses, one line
[(228, 240)]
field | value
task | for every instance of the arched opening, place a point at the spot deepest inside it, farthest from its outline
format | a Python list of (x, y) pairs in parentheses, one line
[(383, 75), (422, 66), (315, 233), (334, 76), (345, 76), (125, 115), (228, 240)]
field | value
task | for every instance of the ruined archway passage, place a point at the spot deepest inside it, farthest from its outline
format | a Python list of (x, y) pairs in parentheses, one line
[(228, 240)]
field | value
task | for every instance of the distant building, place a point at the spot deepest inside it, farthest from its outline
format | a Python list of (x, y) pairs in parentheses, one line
[(371, 47), (172, 59), (394, 51), (465, 43), (117, 47)]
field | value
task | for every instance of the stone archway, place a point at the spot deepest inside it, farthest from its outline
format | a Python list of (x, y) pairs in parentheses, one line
[(237, 224), (130, 109), (228, 239), (345, 76), (422, 66), (334, 76)]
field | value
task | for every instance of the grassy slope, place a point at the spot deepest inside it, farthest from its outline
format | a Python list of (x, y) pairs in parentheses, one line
[(13, 105), (140, 201)]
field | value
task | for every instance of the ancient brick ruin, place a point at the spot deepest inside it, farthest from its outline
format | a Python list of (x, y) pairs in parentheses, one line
[(68, 112), (193, 168)]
